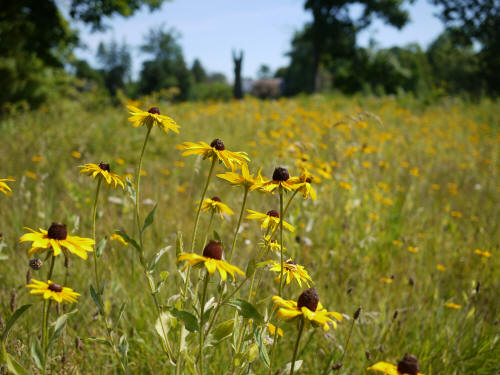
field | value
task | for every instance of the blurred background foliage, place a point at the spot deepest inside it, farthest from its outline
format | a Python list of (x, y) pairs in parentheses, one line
[(37, 63)]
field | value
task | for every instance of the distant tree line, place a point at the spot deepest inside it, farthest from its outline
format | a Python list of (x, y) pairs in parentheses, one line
[(37, 59)]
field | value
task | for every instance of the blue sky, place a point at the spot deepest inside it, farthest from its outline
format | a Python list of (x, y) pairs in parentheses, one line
[(262, 28)]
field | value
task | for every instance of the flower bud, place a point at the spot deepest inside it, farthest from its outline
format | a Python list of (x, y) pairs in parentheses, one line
[(36, 263)]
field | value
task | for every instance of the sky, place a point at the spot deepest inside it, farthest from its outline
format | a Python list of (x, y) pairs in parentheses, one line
[(263, 29)]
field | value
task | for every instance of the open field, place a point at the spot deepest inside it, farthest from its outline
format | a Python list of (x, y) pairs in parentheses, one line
[(406, 225)]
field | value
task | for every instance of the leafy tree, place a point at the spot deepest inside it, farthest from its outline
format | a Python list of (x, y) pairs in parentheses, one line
[(333, 31), (198, 72), (264, 72), (116, 62), (167, 67), (477, 21)]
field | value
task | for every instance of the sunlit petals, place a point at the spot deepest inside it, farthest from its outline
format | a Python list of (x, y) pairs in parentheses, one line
[(58, 293), (94, 170), (140, 118), (210, 264), (4, 188)]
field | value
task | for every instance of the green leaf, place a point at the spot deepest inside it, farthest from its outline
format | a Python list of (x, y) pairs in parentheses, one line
[(96, 298), (221, 332), (150, 218), (123, 347), (10, 323), (189, 319), (120, 313), (129, 240), (130, 189), (157, 257), (217, 237), (246, 309), (262, 348), (13, 366), (179, 246), (251, 268), (101, 246), (98, 340), (36, 353), (288, 367), (59, 326)]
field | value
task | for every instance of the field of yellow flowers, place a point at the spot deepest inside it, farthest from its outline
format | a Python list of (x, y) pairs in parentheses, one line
[(213, 260)]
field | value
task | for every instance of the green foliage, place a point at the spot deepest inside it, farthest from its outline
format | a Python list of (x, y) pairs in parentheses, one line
[(115, 61)]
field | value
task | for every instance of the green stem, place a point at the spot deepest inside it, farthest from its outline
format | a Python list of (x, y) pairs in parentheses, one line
[(202, 311), (281, 240), (209, 228), (138, 186), (245, 195), (45, 316), (299, 335), (94, 215)]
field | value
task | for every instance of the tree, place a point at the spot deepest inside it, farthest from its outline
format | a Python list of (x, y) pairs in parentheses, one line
[(199, 74), (116, 62), (264, 72), (333, 30), (238, 88), (167, 67), (477, 21)]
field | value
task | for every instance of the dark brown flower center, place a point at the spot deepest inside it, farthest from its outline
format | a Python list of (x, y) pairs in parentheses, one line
[(408, 365), (154, 110), (213, 250), (57, 231), (281, 174), (55, 287), (273, 213), (309, 298), (218, 144), (104, 166), (36, 263), (216, 199), (309, 180), (291, 262)]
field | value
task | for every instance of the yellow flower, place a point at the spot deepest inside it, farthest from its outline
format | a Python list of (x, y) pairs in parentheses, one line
[(387, 280), (440, 267), (452, 305), (309, 307), (243, 179), (57, 238), (397, 243), (291, 270), (30, 174), (216, 150), (4, 188), (117, 237), (271, 218), (76, 154), (390, 369), (413, 249), (37, 159), (212, 259), (53, 291), (485, 254), (216, 205), (272, 329), (304, 182), (102, 170), (281, 177), (151, 118), (273, 245)]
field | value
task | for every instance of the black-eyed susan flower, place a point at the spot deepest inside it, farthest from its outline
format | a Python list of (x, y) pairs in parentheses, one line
[(215, 204), (102, 170), (281, 177), (4, 188), (407, 365), (309, 307), (51, 290), (57, 239), (212, 259), (292, 271), (271, 219), (151, 118), (304, 184), (215, 150), (244, 179)]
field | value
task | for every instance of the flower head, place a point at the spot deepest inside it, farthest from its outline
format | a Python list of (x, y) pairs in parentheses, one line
[(309, 307), (244, 179), (304, 184), (212, 260), (4, 188), (53, 291), (102, 170), (407, 365), (151, 118), (215, 204), (281, 178), (291, 271), (272, 219), (57, 238), (216, 150)]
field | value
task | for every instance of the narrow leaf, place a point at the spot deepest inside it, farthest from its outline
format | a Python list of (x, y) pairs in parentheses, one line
[(157, 257), (10, 323), (179, 246), (150, 218), (96, 298), (59, 327), (246, 309), (101, 246), (129, 240), (98, 340), (189, 319), (120, 313), (262, 348), (36, 353)]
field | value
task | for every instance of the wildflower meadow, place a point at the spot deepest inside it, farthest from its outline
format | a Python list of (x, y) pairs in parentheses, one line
[(323, 234)]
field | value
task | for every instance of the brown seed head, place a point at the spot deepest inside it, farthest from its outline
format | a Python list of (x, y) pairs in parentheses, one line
[(273, 213), (309, 298), (408, 365), (104, 166), (213, 250), (218, 144), (154, 110), (357, 312), (57, 231), (281, 174), (216, 199), (55, 288), (36, 263)]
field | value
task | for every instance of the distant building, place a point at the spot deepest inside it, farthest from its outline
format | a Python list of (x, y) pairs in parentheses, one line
[(267, 88)]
